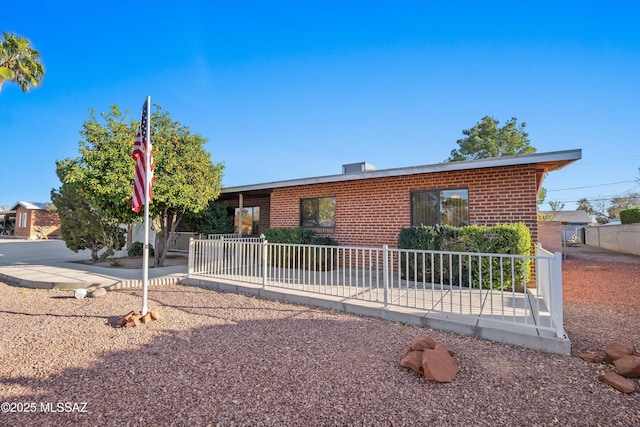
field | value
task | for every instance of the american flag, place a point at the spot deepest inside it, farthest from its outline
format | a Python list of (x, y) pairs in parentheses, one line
[(139, 151)]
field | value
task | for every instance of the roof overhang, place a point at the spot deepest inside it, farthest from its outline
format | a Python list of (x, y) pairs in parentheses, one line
[(545, 162)]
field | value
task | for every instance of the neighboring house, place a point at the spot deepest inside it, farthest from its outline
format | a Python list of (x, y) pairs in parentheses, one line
[(577, 217), (557, 228), (34, 221), (4, 221), (368, 207)]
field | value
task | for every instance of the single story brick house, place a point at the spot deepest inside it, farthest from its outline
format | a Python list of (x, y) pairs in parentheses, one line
[(33, 221), (368, 207)]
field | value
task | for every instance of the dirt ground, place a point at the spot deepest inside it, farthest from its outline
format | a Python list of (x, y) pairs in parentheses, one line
[(223, 359), (593, 253), (601, 292)]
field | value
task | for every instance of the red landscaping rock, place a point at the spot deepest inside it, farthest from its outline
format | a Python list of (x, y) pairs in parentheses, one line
[(628, 366), (438, 364), (590, 357), (616, 350), (124, 319), (132, 322), (134, 318), (423, 342), (413, 360), (618, 382), (100, 292)]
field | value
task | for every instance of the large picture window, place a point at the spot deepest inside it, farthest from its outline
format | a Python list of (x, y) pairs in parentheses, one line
[(318, 212), (440, 207), (250, 220)]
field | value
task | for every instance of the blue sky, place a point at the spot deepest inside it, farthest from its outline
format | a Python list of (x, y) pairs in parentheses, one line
[(286, 90)]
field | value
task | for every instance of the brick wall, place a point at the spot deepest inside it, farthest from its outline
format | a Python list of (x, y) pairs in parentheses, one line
[(371, 212), (23, 229), (35, 219), (47, 219)]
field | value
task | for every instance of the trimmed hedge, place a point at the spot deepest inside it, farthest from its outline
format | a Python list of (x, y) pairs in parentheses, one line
[(630, 216), (457, 270), (313, 260)]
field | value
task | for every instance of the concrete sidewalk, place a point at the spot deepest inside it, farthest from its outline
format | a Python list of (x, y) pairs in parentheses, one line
[(49, 264)]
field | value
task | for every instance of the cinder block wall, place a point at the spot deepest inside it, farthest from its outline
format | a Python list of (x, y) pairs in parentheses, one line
[(371, 212), (550, 235)]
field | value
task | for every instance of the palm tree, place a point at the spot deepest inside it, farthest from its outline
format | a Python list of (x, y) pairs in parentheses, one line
[(19, 62)]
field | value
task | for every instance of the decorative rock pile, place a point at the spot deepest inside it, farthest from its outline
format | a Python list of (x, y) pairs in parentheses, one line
[(430, 358), (627, 364), (134, 318)]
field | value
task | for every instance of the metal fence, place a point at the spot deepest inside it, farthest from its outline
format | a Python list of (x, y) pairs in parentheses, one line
[(180, 240), (511, 289)]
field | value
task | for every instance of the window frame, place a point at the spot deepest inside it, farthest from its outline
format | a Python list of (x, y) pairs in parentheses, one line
[(23, 219), (318, 218), (438, 192)]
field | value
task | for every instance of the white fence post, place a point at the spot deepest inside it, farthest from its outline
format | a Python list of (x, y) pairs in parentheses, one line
[(557, 293), (385, 274), (265, 247), (191, 256)]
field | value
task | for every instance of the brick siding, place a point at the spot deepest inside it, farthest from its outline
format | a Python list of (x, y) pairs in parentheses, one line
[(35, 219), (371, 212)]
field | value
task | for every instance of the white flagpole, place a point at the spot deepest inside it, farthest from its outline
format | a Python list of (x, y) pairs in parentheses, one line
[(147, 185)]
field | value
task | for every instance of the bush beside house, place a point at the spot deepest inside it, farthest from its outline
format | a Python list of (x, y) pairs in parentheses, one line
[(311, 258), (467, 270)]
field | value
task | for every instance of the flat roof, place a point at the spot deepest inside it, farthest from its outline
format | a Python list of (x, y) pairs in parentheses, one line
[(547, 161)]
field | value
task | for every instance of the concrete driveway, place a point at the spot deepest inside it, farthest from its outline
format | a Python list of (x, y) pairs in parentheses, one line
[(49, 264)]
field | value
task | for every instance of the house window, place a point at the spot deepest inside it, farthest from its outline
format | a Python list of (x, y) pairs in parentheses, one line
[(318, 212), (444, 207), (250, 220), (22, 220)]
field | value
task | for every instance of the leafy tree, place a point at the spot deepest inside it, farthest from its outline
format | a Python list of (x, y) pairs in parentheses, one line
[(585, 205), (185, 178), (82, 225), (542, 196), (213, 220), (487, 140), (19, 62), (605, 211), (556, 207), (621, 203), (596, 209)]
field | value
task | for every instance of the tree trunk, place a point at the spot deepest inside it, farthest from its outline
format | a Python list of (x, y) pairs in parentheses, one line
[(94, 253), (168, 222)]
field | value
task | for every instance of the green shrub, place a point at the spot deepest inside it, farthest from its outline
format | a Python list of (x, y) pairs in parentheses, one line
[(630, 216), (137, 249), (314, 259), (298, 236), (466, 270)]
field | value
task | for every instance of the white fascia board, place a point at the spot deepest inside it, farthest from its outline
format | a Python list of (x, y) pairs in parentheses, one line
[(568, 155)]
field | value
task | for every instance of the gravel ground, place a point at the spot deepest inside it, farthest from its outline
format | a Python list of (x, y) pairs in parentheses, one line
[(225, 359)]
